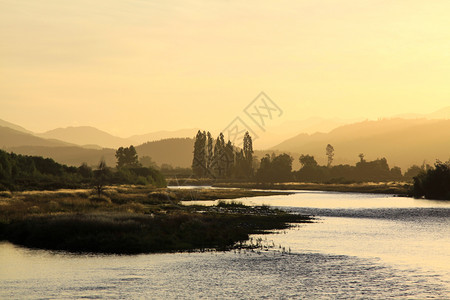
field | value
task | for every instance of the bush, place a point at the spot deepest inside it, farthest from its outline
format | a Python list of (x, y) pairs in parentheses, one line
[(223, 203), (433, 183)]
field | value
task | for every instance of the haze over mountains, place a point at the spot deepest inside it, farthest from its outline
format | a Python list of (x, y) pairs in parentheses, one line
[(406, 140), (13, 126), (443, 113), (164, 134), (279, 133), (402, 142), (86, 135), (90, 136), (10, 137), (176, 151)]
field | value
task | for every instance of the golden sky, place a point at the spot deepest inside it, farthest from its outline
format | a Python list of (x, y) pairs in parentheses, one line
[(137, 66)]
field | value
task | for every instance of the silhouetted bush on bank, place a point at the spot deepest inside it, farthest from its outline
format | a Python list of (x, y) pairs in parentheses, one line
[(433, 183)]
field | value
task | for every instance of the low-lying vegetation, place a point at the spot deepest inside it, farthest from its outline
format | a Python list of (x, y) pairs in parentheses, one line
[(433, 183), (131, 219), (397, 188), (22, 172)]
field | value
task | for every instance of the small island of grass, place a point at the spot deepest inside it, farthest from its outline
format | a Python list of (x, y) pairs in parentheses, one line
[(132, 219)]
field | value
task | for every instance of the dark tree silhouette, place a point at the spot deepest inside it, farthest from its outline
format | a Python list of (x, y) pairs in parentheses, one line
[(229, 159), (127, 157), (209, 152), (147, 161), (307, 160), (433, 183), (219, 161), (361, 157), (85, 170), (248, 154), (199, 160), (275, 168), (101, 175), (330, 154)]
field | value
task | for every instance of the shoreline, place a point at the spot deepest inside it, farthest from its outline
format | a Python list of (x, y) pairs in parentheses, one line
[(399, 189)]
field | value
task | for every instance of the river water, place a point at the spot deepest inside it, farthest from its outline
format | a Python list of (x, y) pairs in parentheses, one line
[(360, 246)]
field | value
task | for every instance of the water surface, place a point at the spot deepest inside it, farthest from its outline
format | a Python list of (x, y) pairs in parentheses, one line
[(361, 246)]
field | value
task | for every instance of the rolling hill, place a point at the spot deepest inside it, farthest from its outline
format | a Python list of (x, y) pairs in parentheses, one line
[(71, 156), (164, 134), (443, 113), (402, 141), (176, 152), (87, 135), (10, 137), (4, 123)]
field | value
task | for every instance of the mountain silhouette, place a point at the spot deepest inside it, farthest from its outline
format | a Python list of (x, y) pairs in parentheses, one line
[(402, 141), (87, 135)]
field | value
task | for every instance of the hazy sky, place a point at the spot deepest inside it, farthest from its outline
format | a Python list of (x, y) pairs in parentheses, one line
[(139, 66)]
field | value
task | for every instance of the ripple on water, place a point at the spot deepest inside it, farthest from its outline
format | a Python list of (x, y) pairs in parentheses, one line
[(225, 275)]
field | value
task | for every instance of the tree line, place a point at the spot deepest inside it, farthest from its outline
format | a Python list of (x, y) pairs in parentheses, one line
[(23, 172), (217, 159), (362, 171), (278, 168)]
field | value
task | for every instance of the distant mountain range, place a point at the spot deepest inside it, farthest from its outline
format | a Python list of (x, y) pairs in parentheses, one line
[(443, 113), (278, 133), (10, 137), (13, 126), (164, 134), (92, 137), (404, 141), (78, 145), (86, 135)]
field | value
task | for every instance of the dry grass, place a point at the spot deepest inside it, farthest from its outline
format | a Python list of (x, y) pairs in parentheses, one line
[(21, 205), (132, 220), (127, 199)]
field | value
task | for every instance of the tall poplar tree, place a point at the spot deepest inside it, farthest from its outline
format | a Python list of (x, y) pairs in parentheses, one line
[(199, 160), (248, 154), (209, 152), (330, 154), (219, 163), (229, 159)]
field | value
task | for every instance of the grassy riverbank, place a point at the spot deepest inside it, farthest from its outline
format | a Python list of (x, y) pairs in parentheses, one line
[(133, 219), (397, 188)]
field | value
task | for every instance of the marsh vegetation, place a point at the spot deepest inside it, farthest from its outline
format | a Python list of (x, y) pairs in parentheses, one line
[(132, 219)]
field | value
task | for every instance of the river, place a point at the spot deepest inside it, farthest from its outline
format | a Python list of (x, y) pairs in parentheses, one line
[(360, 246)]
